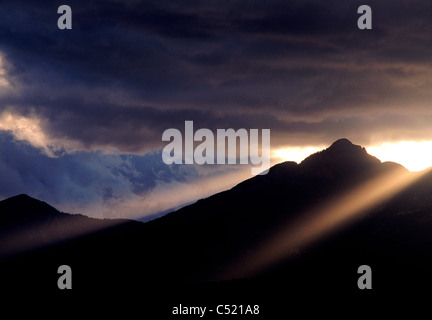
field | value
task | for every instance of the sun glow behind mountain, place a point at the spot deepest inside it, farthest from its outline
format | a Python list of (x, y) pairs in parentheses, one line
[(413, 155), (296, 154)]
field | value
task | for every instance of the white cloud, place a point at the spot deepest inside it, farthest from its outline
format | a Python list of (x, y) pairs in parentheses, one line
[(30, 130)]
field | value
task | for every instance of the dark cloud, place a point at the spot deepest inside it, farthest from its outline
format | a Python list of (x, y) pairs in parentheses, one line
[(129, 68)]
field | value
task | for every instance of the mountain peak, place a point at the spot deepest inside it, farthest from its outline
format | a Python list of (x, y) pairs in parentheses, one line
[(342, 156), (27, 207), (342, 144), (22, 197)]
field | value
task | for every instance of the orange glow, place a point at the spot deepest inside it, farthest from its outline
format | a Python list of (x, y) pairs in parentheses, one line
[(413, 155), (296, 154)]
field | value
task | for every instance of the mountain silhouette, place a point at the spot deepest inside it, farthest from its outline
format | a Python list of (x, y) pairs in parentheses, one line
[(212, 245)]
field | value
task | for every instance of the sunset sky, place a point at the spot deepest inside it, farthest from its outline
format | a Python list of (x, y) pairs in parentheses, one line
[(82, 111)]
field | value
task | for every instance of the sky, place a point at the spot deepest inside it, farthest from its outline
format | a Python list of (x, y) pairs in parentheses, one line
[(82, 111)]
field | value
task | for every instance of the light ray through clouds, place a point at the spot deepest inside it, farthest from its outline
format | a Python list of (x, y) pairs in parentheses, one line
[(22, 240), (322, 220)]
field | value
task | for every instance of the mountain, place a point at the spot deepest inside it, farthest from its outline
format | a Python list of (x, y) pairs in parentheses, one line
[(302, 229), (27, 224)]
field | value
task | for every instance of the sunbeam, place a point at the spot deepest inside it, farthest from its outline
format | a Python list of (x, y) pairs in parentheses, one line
[(322, 220)]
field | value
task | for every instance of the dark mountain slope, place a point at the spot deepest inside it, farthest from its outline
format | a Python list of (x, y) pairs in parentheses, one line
[(206, 240)]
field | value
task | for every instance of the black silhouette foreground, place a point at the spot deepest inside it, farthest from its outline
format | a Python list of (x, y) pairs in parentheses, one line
[(214, 251)]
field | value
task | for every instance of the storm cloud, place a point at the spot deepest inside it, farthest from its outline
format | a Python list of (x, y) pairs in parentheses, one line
[(130, 69)]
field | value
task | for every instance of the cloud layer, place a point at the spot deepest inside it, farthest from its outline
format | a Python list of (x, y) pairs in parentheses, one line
[(130, 69)]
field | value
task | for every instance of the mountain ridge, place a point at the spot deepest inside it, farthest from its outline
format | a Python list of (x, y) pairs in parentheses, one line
[(195, 245)]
